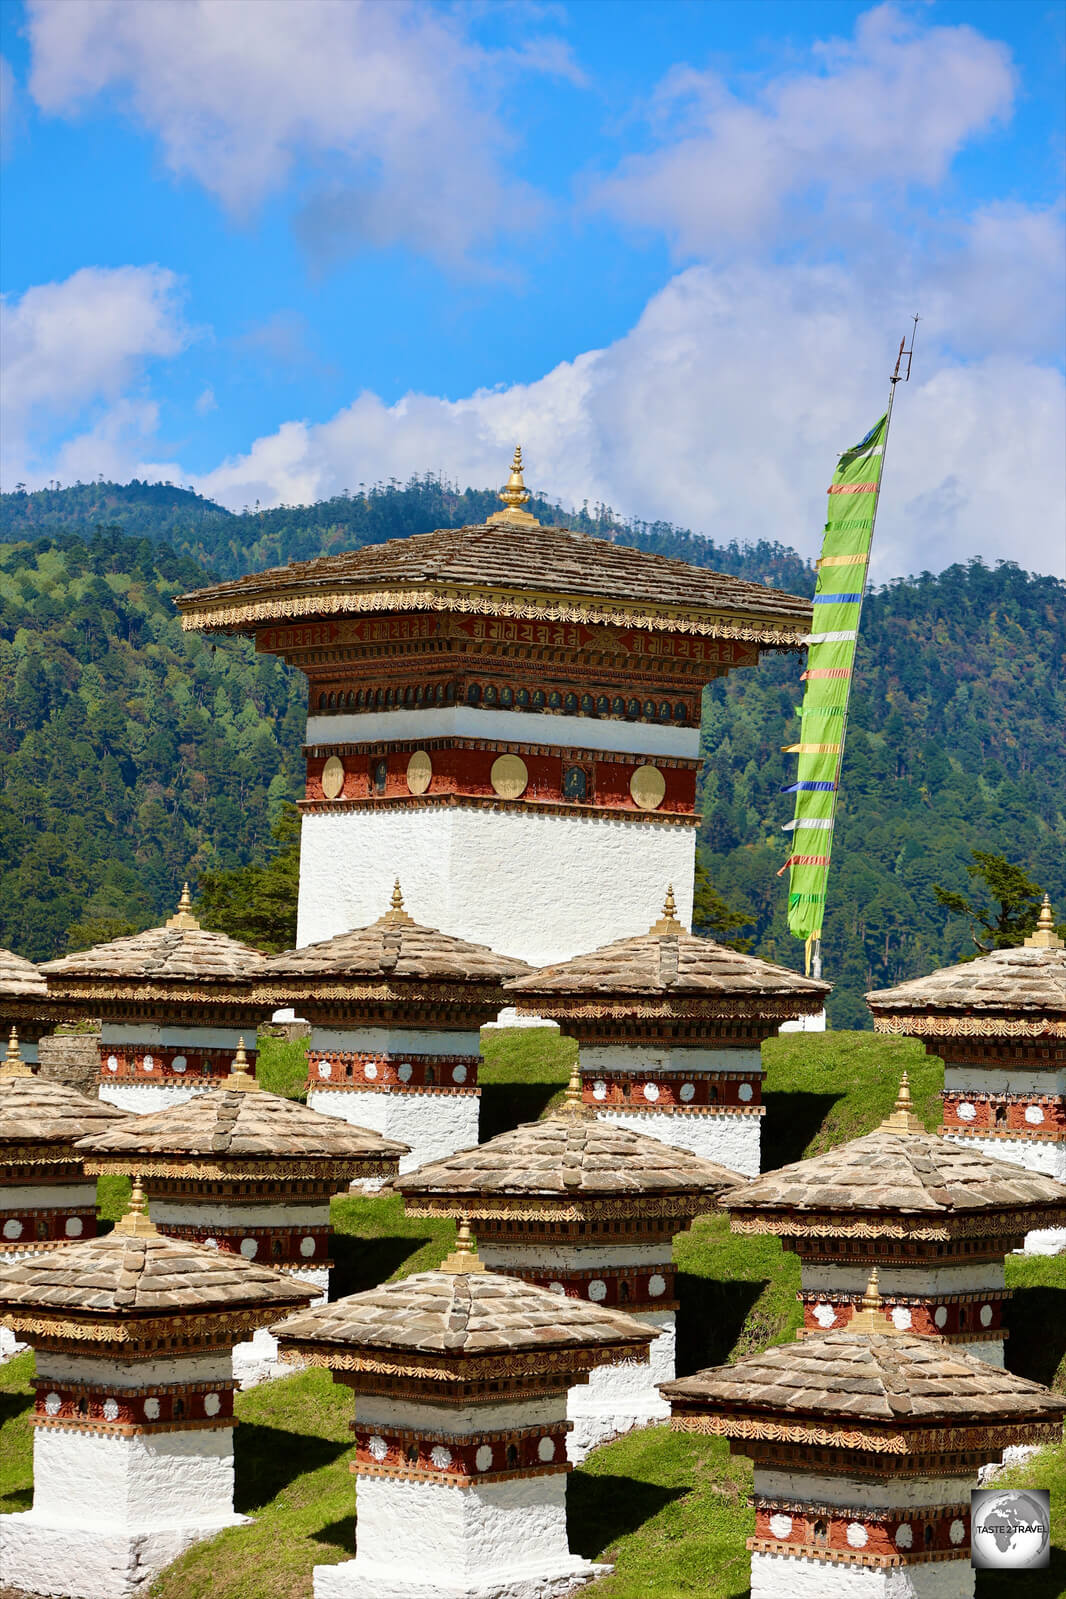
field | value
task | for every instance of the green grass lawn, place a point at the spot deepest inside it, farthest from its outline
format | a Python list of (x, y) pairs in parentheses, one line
[(670, 1510)]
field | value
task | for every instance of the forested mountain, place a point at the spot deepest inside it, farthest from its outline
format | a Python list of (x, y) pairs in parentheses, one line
[(132, 755)]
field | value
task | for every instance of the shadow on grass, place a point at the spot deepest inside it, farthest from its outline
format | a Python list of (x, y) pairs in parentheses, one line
[(1047, 1584), (710, 1317), (1036, 1321), (791, 1122), (600, 1510), (13, 1404), (363, 1263), (340, 1534), (268, 1459), (507, 1105)]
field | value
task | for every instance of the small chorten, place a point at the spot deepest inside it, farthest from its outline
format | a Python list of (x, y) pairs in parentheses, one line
[(670, 1028), (173, 1002), (24, 1002), (133, 1420), (514, 495), (45, 1197), (937, 1218), (247, 1173), (999, 1024), (396, 1011), (587, 1209), (460, 1378), (866, 1444)]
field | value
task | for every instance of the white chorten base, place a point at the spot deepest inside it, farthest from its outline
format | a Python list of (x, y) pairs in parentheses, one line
[(805, 1024), (1035, 1154), (434, 1124), (424, 1540), (785, 1577), (257, 1360), (732, 1139), (511, 1018), (109, 1512), (616, 1399), (1045, 1241), (9, 1345), (145, 1098), (539, 887)]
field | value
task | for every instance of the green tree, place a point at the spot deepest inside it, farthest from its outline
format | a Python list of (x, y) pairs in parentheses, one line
[(1016, 902), (713, 916), (257, 903)]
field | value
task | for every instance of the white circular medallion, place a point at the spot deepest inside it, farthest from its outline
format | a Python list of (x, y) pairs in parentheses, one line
[(940, 1315), (648, 788), (656, 1285), (556, 1288), (53, 1405), (405, 1072), (597, 1289), (210, 1243), (112, 1063), (212, 1404), (745, 1092), (599, 1089), (509, 776), (419, 772), (325, 1069), (651, 1091), (904, 1535), (966, 1111), (1034, 1115), (901, 1317), (780, 1526), (986, 1315), (333, 777), (441, 1457), (546, 1449), (12, 1228), (957, 1531), (688, 1092), (249, 1247), (377, 1446), (856, 1535), (73, 1227), (151, 1409), (824, 1315), (149, 1063), (110, 1410), (179, 1063), (307, 1247), (459, 1074), (370, 1071), (483, 1458)]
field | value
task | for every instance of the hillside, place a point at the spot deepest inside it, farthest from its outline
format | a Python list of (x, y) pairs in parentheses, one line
[(132, 755)]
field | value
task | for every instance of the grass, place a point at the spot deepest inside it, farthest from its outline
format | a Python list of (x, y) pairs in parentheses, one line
[(669, 1510)]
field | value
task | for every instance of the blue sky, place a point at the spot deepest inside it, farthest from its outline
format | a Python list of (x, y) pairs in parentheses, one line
[(276, 248)]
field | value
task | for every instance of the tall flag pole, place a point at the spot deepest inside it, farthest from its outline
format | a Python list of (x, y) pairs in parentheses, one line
[(839, 592)]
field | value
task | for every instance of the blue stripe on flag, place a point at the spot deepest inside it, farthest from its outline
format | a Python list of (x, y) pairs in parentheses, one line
[(808, 788), (837, 599)]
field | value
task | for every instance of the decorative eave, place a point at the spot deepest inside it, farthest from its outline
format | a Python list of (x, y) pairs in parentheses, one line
[(236, 993), (140, 1337), (987, 1024), (486, 997), (535, 1365), (684, 1007), (901, 1439), (872, 1224), (670, 1208), (201, 1168)]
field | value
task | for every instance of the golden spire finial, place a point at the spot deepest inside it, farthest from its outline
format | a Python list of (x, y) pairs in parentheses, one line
[(572, 1104), (870, 1317), (396, 912), (1045, 936), (514, 495), (463, 1257), (136, 1223), (184, 917), (903, 1119), (668, 924), (241, 1077), (13, 1064)]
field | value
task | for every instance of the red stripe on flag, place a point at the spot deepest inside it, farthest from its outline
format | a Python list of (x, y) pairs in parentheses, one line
[(825, 671), (853, 488)]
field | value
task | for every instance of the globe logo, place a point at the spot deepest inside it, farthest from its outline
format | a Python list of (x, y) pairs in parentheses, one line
[(1010, 1529)]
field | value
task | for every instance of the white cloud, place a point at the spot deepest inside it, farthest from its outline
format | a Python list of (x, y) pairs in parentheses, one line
[(723, 410), (394, 104), (65, 347), (891, 107)]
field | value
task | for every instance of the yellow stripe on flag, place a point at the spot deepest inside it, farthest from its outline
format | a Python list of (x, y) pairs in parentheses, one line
[(810, 749), (841, 560)]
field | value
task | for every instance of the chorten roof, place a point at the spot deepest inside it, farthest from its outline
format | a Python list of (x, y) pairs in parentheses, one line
[(509, 565), (568, 1156), (37, 1112), (668, 962), (134, 1273), (461, 1315), (237, 1127), (19, 978), (180, 953), (898, 1170), (1028, 979)]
